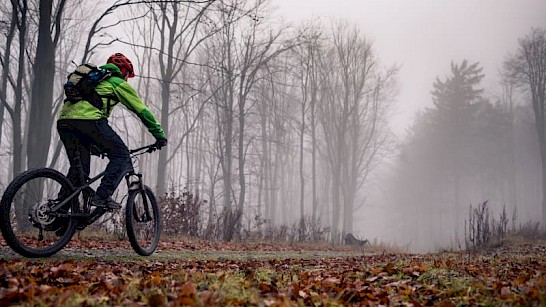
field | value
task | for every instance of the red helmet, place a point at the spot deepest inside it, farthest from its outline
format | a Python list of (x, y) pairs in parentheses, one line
[(123, 63)]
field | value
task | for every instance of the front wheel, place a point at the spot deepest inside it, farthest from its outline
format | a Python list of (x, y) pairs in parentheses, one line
[(26, 221), (143, 222)]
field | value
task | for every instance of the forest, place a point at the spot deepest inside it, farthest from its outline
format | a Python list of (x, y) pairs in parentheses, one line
[(280, 131)]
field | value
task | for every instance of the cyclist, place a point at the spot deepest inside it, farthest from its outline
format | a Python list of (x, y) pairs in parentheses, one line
[(83, 128)]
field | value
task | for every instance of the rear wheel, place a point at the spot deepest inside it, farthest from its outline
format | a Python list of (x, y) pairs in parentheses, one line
[(26, 222), (143, 222)]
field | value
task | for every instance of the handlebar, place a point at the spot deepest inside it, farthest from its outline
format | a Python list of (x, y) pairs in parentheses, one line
[(147, 148)]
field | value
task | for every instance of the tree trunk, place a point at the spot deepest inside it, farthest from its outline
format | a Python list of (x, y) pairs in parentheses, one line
[(540, 124), (275, 174), (542, 142), (6, 59), (16, 112), (336, 202), (265, 161), (225, 124), (302, 175), (41, 106), (227, 160), (314, 162), (162, 161), (241, 153)]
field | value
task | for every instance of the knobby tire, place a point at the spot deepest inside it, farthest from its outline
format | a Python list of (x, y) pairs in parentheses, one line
[(18, 193), (134, 211)]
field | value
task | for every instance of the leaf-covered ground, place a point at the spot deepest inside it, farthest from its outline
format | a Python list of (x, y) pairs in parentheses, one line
[(98, 272)]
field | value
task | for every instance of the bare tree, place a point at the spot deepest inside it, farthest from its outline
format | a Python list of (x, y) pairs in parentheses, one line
[(41, 104), (5, 61), (259, 46), (240, 51), (220, 50), (100, 29), (178, 25), (314, 76), (352, 117), (528, 69), (264, 186), (307, 74), (20, 13)]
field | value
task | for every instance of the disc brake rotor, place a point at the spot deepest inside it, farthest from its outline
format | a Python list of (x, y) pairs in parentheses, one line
[(39, 213)]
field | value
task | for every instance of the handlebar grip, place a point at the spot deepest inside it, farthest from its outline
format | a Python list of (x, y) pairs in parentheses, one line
[(148, 148)]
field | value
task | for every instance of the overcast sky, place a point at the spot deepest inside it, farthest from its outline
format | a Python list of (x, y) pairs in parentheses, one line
[(424, 36)]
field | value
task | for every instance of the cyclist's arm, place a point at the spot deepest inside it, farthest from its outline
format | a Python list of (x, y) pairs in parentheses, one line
[(130, 99)]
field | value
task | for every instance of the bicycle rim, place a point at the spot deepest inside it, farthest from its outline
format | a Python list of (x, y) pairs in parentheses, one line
[(25, 223), (143, 232)]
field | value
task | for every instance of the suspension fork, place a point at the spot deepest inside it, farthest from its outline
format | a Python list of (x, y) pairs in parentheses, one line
[(134, 183)]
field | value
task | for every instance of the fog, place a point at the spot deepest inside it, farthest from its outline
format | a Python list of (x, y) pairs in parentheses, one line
[(424, 37), (306, 119)]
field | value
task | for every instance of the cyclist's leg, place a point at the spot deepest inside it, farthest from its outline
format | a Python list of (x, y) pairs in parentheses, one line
[(118, 154), (76, 150), (78, 156)]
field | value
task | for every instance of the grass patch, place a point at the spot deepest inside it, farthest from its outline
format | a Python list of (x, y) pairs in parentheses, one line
[(509, 275)]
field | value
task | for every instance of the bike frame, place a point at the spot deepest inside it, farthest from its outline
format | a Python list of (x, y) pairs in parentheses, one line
[(76, 192), (92, 216)]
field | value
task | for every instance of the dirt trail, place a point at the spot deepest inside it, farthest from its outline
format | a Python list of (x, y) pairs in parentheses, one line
[(96, 248)]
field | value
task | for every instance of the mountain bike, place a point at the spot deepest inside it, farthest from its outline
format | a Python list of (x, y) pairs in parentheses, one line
[(41, 210)]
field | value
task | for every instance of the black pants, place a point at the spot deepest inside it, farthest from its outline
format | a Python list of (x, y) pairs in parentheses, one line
[(78, 136)]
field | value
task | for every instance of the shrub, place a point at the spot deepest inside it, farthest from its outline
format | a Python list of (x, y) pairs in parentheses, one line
[(477, 228), (481, 231), (181, 213)]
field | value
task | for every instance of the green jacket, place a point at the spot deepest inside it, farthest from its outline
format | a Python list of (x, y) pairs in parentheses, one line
[(119, 91)]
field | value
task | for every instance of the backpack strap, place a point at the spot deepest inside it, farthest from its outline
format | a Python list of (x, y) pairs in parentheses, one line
[(110, 97), (109, 104)]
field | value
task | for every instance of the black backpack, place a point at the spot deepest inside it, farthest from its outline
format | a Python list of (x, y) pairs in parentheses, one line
[(82, 82)]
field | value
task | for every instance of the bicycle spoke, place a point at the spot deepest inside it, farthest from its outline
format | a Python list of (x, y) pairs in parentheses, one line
[(31, 228), (143, 225), (143, 228)]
